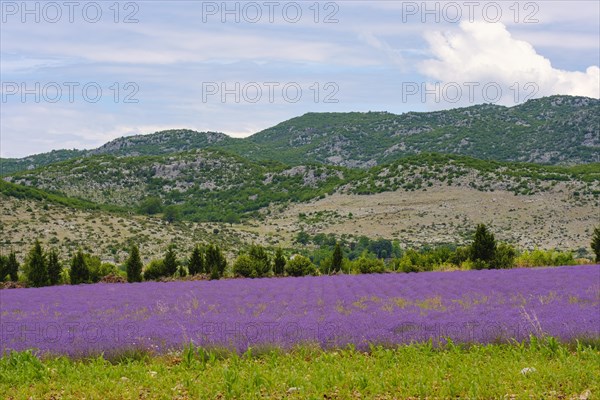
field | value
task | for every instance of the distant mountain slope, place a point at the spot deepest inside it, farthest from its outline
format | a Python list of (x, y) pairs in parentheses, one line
[(552, 130), (164, 142), (11, 165)]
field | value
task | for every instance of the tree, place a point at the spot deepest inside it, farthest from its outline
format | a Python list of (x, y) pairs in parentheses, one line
[(596, 243), (484, 245), (134, 265), (337, 259), (54, 267), (279, 263), (80, 272), (3, 270), (232, 218), (170, 261), (151, 206), (196, 262), (171, 214), (12, 267), (36, 268), (262, 261), (215, 261), (302, 238)]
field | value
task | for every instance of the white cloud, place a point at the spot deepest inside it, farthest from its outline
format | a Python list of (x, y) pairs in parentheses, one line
[(487, 53)]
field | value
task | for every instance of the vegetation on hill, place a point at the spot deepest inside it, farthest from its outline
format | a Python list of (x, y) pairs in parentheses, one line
[(550, 130), (213, 185)]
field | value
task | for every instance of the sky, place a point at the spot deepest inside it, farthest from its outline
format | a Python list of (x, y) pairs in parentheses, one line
[(76, 74)]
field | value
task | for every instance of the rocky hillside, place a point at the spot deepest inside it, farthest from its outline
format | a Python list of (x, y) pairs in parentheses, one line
[(164, 142), (556, 130), (213, 185), (552, 130)]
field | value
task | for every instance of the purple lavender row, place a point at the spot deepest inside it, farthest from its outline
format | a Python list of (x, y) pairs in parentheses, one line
[(466, 306)]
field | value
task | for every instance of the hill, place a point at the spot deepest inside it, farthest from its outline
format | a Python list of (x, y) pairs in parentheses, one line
[(553, 130)]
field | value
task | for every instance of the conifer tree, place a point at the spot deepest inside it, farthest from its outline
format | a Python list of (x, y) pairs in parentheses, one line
[(134, 265), (36, 268), (80, 272), (483, 248), (54, 267), (596, 243), (215, 261), (279, 263), (170, 261), (196, 262), (12, 267), (337, 259)]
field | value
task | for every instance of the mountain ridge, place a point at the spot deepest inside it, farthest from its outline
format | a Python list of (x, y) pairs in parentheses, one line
[(555, 130)]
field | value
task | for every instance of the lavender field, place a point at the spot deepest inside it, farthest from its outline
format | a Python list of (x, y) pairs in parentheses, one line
[(466, 306)]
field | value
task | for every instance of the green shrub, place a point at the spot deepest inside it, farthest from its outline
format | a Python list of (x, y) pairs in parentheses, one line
[(300, 266), (366, 265), (504, 257), (155, 270), (244, 266)]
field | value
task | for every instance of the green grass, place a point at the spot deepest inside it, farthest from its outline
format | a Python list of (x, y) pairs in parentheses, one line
[(416, 371)]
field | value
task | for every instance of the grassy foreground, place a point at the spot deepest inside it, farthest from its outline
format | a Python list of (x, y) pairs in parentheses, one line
[(556, 371)]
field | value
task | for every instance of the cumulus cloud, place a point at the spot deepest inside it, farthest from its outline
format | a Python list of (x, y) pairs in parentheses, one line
[(481, 54)]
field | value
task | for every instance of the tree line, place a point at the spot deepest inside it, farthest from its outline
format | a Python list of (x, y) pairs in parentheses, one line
[(44, 268)]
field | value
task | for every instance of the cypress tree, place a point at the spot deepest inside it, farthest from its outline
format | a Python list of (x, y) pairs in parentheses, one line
[(80, 272), (338, 258), (54, 268), (196, 262), (37, 272), (3, 270), (484, 245), (170, 261), (596, 243), (134, 265), (12, 267), (215, 261), (279, 263)]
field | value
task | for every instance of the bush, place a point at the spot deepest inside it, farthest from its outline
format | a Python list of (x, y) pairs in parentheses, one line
[(366, 265), (150, 206), (544, 258), (504, 257), (100, 270), (244, 266), (155, 270), (405, 264), (300, 266)]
